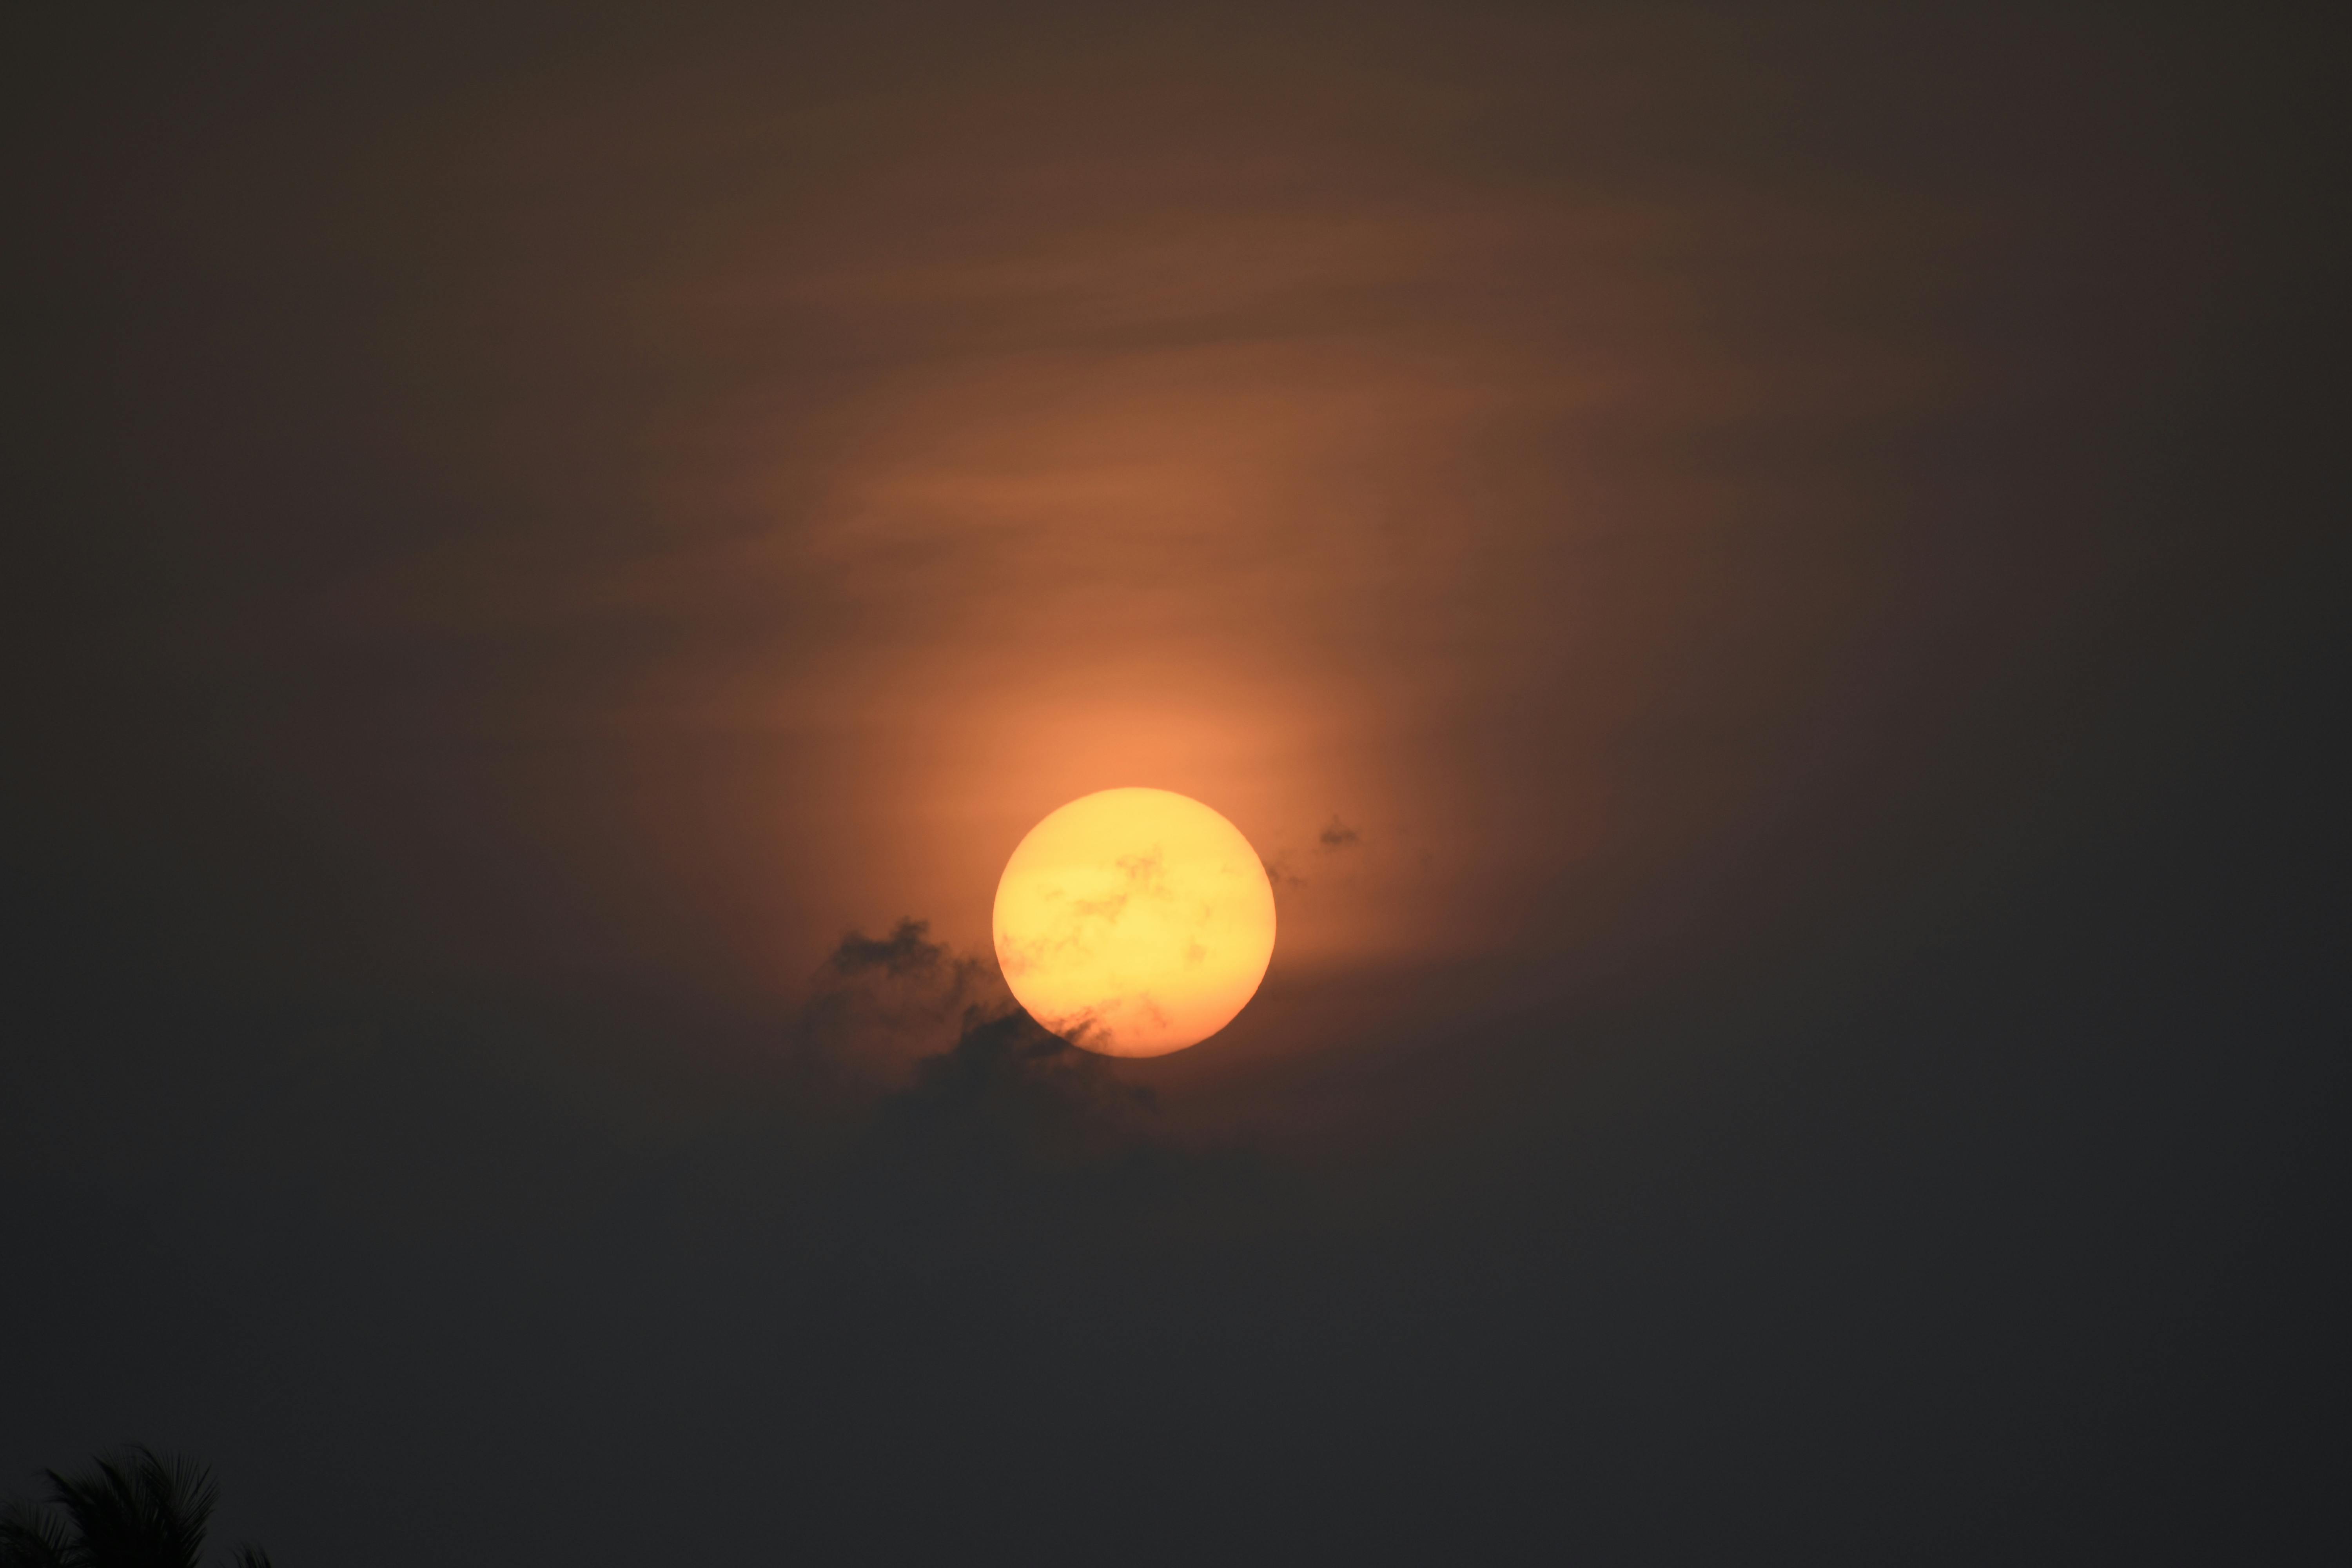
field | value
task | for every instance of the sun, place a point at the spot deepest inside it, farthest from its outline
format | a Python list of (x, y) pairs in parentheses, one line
[(1134, 922)]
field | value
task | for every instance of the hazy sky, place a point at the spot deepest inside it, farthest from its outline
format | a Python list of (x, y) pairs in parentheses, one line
[(1758, 575)]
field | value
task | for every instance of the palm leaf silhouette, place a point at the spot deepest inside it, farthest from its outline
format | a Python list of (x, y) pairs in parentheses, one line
[(133, 1508), (36, 1538)]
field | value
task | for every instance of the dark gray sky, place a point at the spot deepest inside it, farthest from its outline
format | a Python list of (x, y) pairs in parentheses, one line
[(1760, 576)]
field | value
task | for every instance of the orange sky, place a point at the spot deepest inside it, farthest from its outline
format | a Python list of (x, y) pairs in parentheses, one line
[(1485, 448), (1764, 577)]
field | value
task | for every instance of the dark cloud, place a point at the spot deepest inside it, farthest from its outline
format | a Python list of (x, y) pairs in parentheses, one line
[(1010, 1119), (1336, 835), (1021, 1158), (907, 951), (881, 1004)]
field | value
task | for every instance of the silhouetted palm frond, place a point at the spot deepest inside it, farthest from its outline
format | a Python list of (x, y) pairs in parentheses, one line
[(136, 1510), (36, 1538), (250, 1556)]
